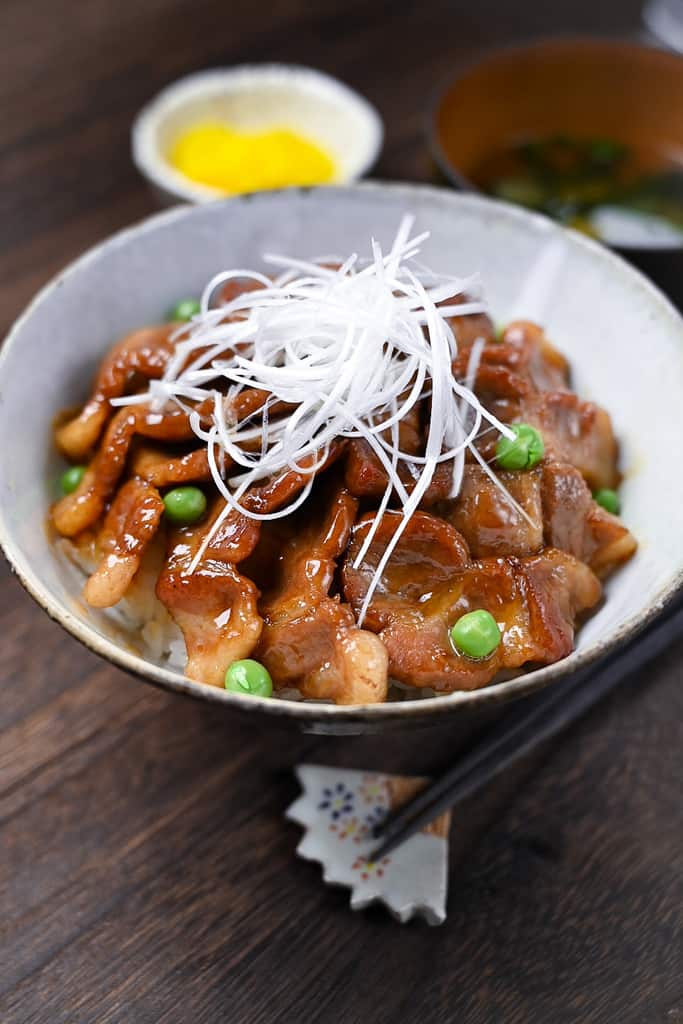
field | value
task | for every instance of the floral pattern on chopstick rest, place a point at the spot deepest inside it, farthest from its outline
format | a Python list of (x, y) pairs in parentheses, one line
[(339, 808)]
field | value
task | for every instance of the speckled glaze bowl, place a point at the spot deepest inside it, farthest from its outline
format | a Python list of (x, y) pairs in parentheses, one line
[(624, 339)]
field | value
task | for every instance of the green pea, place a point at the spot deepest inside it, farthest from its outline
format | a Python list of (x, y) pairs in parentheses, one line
[(184, 505), (476, 634), (249, 676), (70, 480), (184, 310), (524, 452), (609, 500), (606, 151)]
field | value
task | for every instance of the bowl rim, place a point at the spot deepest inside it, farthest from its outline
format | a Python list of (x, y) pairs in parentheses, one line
[(332, 715), (457, 178), (153, 166)]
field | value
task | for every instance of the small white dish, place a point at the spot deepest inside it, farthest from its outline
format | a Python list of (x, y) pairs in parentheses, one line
[(256, 97), (338, 810)]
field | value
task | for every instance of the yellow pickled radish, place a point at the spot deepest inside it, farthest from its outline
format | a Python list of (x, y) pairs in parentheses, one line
[(235, 161)]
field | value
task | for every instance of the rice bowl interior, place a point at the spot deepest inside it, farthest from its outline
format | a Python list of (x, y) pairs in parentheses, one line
[(624, 340)]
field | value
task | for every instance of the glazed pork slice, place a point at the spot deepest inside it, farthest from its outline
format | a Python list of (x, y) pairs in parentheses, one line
[(574, 522), (521, 363), (471, 326), (431, 581), (561, 514), (366, 477), (528, 351), (142, 355), (249, 402), (215, 605), (234, 287), (575, 432), (128, 529), (310, 640), (170, 470), (489, 521), (79, 511), (165, 470)]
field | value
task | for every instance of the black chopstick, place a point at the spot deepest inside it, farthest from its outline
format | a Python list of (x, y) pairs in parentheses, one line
[(526, 727)]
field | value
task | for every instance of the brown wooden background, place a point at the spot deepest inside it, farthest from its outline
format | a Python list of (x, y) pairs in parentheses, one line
[(146, 873)]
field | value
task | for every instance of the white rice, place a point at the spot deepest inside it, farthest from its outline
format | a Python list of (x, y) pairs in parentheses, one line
[(147, 626)]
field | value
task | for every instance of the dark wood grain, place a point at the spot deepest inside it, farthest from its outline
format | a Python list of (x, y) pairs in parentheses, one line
[(147, 874)]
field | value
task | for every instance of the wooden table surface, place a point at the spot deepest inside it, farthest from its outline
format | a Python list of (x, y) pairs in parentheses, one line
[(147, 874)]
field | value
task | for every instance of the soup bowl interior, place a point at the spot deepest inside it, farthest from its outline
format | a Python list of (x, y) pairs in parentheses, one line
[(578, 88), (623, 338)]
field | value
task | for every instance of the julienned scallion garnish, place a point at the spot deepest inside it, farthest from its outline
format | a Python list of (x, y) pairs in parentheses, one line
[(349, 352), (249, 677), (476, 634), (71, 478), (609, 500), (523, 452), (184, 505), (184, 310)]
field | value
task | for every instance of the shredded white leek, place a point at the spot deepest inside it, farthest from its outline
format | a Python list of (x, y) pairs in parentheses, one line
[(350, 351)]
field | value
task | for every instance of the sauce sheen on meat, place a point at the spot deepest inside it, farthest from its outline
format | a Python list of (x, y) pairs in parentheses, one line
[(530, 546)]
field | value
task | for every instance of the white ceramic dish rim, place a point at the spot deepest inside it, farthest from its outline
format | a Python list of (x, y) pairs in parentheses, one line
[(426, 708), (153, 166)]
